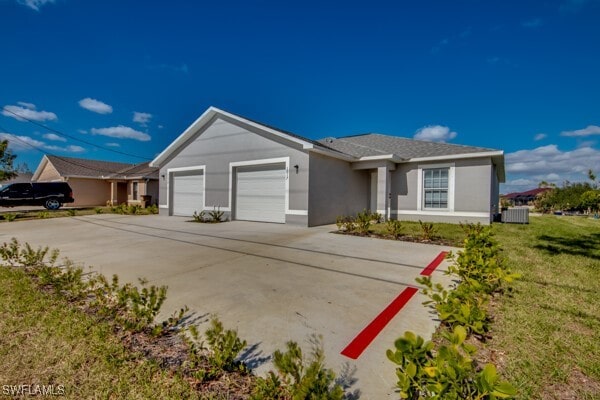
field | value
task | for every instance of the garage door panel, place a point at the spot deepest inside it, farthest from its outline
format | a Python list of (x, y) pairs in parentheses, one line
[(260, 193), (188, 194)]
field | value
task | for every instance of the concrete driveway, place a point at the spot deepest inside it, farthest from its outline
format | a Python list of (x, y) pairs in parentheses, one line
[(272, 282)]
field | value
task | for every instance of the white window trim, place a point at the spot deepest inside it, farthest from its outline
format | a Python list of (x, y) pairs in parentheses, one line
[(442, 213), (451, 172), (266, 161), (184, 169), (135, 195)]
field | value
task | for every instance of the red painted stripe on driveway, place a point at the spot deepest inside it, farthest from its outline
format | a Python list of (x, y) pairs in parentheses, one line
[(428, 270), (364, 338)]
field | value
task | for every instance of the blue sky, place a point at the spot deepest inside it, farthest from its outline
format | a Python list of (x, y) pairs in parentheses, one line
[(520, 76)]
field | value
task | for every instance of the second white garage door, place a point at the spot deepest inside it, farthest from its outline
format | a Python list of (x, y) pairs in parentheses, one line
[(260, 193), (188, 193)]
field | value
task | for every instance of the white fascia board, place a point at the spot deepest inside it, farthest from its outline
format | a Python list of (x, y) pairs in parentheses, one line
[(333, 154), (391, 157), (205, 117), (457, 156), (40, 168), (304, 143)]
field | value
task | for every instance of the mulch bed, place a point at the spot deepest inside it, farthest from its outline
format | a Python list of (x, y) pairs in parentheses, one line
[(403, 238), (171, 352)]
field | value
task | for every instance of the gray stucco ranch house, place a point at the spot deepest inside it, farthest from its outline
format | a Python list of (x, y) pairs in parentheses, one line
[(256, 172)]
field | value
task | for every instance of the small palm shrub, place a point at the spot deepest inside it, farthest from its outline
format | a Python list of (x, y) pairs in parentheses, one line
[(199, 216), (216, 215), (428, 231), (393, 228)]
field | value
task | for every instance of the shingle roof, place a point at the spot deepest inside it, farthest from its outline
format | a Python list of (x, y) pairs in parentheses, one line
[(374, 144), (70, 166), (143, 170), (82, 167)]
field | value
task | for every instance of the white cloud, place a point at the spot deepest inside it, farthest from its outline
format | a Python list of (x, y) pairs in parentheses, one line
[(26, 143), (17, 142), (435, 133), (82, 131), (160, 127), (141, 118), (532, 23), (96, 106), (121, 132), (522, 182), (540, 136), (52, 136), (26, 111), (548, 163), (67, 149), (587, 131), (112, 144), (34, 4), (31, 106)]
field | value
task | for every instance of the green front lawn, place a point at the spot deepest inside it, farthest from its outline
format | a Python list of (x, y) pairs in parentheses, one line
[(45, 341), (547, 334)]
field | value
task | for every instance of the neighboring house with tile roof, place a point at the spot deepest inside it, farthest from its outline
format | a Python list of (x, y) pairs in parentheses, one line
[(97, 182), (525, 198), (256, 172)]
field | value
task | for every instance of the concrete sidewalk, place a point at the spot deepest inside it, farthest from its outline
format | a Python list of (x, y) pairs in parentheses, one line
[(272, 282)]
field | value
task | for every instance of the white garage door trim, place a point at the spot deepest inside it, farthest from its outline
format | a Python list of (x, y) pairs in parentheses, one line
[(260, 193), (286, 160), (201, 169)]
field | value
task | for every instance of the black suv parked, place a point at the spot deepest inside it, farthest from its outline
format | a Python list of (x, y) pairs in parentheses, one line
[(51, 195)]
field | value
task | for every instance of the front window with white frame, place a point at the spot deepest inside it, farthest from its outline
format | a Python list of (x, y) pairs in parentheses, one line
[(435, 188)]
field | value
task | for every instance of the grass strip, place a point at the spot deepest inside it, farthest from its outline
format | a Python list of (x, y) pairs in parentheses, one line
[(547, 333), (46, 341)]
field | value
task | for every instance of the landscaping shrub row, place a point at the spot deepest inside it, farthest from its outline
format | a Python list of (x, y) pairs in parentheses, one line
[(364, 222), (447, 369), (133, 309), (123, 209)]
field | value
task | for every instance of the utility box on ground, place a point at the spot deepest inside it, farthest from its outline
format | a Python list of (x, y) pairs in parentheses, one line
[(519, 215)]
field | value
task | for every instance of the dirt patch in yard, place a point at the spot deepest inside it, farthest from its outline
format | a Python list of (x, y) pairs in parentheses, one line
[(172, 352)]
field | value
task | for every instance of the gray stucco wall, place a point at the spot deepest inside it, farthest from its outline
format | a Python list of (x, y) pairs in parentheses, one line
[(473, 190), (335, 189), (224, 141), (473, 185)]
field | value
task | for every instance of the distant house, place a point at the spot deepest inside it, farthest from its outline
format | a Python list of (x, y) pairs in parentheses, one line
[(96, 182), (524, 198), (20, 178), (255, 172)]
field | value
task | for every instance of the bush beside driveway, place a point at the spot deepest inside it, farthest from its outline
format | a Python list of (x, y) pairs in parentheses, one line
[(272, 282)]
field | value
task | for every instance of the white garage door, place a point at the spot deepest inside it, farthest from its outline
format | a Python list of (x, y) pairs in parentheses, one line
[(188, 193), (260, 193)]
